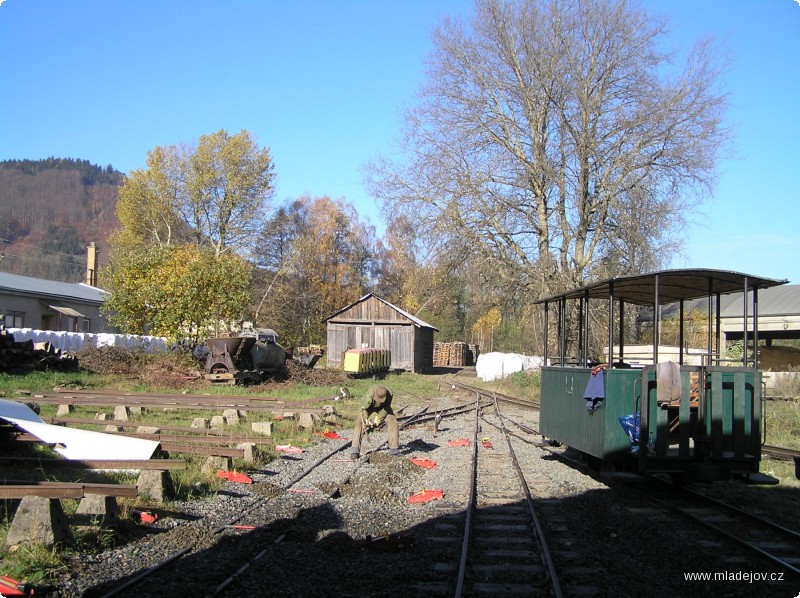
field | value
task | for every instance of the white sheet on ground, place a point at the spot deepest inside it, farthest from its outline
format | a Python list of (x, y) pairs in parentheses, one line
[(77, 444)]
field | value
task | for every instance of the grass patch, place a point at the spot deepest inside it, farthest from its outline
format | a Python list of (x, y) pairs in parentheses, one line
[(523, 385), (31, 564), (782, 419)]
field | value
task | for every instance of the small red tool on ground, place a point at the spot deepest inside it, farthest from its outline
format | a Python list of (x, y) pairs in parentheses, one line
[(11, 587), (423, 462), (486, 443), (144, 516), (233, 476), (333, 435), (426, 495), (288, 448), (459, 442)]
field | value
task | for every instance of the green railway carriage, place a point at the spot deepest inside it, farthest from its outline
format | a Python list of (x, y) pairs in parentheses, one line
[(695, 421)]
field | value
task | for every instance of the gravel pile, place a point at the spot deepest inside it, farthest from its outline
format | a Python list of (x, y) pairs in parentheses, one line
[(349, 530)]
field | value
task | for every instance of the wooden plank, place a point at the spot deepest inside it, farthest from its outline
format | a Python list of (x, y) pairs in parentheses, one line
[(48, 463), (200, 440), (107, 402), (22, 488), (216, 451)]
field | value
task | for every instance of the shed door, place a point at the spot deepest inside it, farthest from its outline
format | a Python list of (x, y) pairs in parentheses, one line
[(403, 348)]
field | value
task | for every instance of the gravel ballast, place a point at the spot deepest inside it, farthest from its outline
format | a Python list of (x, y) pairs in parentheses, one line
[(348, 530)]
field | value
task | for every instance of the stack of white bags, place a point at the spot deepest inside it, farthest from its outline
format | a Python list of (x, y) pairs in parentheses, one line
[(70, 342), (493, 366)]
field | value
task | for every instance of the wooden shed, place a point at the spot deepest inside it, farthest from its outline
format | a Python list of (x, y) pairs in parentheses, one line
[(373, 322)]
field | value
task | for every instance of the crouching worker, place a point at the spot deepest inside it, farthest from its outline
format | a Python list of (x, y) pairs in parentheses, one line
[(377, 404)]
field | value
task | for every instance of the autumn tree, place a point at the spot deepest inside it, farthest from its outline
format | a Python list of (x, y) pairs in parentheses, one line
[(314, 257), (149, 204), (183, 292), (556, 142), (229, 180), (176, 266), (215, 194)]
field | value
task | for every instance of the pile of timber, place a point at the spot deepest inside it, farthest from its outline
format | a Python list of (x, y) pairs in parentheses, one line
[(456, 354), (27, 356)]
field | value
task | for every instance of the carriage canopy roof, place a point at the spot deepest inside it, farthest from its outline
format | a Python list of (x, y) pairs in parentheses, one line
[(673, 285)]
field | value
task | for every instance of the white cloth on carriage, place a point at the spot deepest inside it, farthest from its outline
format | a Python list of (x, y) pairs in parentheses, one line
[(668, 382)]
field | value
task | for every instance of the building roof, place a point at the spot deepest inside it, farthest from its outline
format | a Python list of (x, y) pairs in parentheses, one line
[(414, 319), (51, 288), (776, 301)]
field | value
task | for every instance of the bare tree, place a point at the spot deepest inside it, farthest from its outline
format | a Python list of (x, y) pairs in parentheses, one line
[(557, 141)]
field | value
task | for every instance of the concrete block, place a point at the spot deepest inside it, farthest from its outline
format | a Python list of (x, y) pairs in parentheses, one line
[(306, 421), (213, 464), (288, 415), (39, 520), (148, 430), (156, 485), (329, 419), (64, 410), (264, 428), (201, 423), (231, 416), (250, 451), (114, 428), (328, 410), (122, 413), (218, 422), (101, 416), (95, 509), (138, 411)]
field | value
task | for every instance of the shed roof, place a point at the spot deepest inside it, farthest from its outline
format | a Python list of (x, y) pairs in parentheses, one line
[(414, 319), (27, 285), (673, 285)]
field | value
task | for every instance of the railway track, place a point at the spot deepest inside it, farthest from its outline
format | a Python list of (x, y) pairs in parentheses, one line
[(482, 538), (774, 543), (777, 452), (505, 551), (248, 517)]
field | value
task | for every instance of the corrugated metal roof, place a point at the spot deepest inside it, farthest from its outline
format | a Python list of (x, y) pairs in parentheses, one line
[(414, 319), (673, 285), (50, 288), (776, 301)]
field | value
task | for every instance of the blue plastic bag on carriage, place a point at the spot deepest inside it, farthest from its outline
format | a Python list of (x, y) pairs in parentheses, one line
[(630, 423)]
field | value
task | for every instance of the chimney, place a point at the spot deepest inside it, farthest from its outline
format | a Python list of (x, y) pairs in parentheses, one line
[(91, 265)]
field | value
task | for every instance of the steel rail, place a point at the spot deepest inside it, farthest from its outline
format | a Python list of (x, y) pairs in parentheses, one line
[(472, 505), (244, 512), (778, 452), (785, 533), (473, 477), (540, 536)]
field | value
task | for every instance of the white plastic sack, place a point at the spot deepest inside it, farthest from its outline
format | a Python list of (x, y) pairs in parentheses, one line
[(494, 366)]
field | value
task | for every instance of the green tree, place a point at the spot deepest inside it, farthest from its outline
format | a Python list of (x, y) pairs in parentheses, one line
[(181, 292)]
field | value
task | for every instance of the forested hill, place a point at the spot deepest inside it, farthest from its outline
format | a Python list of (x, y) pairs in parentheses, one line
[(50, 210)]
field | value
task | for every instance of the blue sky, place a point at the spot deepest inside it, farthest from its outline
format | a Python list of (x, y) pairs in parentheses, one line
[(323, 82)]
